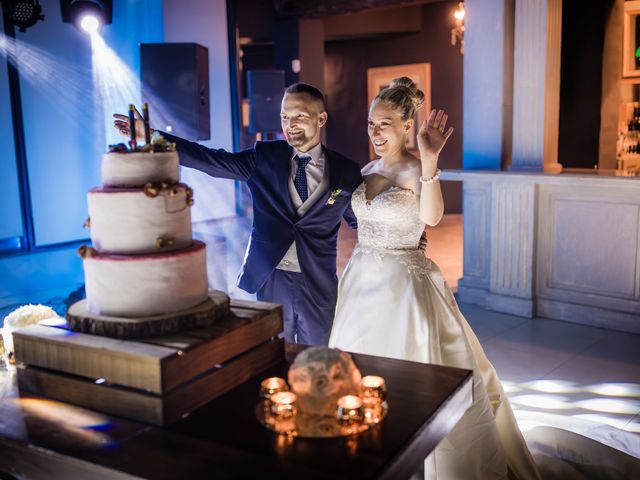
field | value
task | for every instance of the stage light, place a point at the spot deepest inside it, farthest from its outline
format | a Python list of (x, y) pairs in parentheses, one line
[(24, 13), (88, 15), (90, 23)]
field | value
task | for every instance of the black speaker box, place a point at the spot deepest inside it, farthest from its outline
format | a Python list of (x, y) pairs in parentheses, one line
[(175, 84), (265, 89)]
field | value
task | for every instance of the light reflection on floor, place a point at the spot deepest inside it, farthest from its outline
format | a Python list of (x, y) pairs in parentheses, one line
[(76, 426), (625, 409), (601, 412)]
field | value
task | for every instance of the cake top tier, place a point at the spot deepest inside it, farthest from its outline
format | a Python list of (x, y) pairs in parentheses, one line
[(135, 166), (136, 169)]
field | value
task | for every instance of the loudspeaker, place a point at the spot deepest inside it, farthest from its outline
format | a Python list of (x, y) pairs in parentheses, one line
[(175, 84), (265, 89)]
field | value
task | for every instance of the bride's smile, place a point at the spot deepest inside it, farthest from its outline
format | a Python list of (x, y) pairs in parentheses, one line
[(387, 130)]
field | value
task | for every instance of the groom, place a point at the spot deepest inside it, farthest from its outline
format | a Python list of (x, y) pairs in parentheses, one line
[(301, 191)]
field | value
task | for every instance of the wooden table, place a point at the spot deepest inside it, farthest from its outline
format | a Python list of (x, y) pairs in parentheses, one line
[(44, 439)]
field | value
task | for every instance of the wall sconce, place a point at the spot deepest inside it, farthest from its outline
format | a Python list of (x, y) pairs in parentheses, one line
[(457, 32)]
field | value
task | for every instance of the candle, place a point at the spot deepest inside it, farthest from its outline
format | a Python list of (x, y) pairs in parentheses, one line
[(374, 393), (373, 389), (350, 410), (147, 129), (272, 385), (283, 405), (132, 127)]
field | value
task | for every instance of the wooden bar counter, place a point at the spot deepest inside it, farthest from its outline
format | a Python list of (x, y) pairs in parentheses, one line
[(41, 438)]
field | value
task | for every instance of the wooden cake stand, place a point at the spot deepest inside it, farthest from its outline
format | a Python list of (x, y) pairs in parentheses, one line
[(80, 319)]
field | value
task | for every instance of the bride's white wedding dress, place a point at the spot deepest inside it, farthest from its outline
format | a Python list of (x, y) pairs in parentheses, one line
[(394, 302)]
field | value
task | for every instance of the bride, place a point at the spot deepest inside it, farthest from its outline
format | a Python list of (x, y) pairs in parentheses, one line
[(394, 302)]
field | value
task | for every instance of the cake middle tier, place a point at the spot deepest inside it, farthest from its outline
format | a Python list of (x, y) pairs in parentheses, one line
[(143, 285), (140, 220)]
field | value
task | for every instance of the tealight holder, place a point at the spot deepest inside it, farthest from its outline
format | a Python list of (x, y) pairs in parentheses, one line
[(350, 411), (373, 391), (272, 385), (283, 405), (283, 409)]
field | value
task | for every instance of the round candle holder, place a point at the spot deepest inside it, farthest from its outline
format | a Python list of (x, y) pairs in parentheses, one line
[(350, 413), (350, 410), (283, 405), (373, 391), (272, 385), (280, 411)]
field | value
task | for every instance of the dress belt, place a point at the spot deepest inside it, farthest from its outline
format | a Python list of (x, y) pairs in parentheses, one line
[(392, 249)]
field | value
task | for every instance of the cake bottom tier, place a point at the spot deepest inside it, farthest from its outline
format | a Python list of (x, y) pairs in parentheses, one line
[(143, 285)]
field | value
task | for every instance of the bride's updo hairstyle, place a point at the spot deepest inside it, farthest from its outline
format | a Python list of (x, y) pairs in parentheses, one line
[(403, 96)]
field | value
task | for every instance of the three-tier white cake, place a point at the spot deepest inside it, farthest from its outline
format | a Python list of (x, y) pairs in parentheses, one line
[(144, 261)]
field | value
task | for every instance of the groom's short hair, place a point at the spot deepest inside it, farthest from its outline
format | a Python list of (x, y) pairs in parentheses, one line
[(310, 90)]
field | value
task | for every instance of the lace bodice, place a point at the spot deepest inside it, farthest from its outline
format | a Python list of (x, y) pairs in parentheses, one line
[(390, 221)]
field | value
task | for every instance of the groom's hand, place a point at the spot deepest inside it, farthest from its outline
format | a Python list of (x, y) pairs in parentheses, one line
[(422, 244), (121, 123)]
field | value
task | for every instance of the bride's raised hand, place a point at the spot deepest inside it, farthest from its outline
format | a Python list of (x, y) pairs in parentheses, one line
[(432, 136)]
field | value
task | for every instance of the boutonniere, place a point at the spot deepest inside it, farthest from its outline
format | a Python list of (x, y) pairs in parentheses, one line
[(332, 198)]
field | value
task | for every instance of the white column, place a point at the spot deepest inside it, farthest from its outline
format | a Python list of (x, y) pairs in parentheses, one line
[(513, 220), (536, 95), (488, 84)]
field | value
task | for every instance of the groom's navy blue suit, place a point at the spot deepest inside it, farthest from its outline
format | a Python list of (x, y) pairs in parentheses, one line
[(276, 225)]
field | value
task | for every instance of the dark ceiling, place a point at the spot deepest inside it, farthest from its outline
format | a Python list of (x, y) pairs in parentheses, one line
[(314, 8)]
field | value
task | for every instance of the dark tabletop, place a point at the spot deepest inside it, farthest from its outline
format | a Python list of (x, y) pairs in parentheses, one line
[(223, 439)]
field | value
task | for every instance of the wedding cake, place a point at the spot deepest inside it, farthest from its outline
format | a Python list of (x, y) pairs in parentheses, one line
[(143, 261)]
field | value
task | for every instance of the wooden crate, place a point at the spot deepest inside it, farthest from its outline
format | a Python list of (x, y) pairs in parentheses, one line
[(154, 380)]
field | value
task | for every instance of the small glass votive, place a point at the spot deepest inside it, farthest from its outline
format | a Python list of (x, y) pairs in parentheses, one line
[(373, 389), (374, 394), (283, 408), (272, 385), (283, 405), (350, 410)]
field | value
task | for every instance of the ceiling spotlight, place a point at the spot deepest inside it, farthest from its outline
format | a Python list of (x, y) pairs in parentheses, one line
[(90, 23), (24, 13), (88, 15)]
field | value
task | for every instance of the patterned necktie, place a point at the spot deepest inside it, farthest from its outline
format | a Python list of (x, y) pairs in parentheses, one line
[(300, 180)]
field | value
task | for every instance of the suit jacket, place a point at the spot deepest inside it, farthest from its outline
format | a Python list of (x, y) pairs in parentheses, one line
[(276, 225)]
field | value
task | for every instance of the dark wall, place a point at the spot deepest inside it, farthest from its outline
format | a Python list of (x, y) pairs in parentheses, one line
[(581, 81), (255, 19), (346, 64)]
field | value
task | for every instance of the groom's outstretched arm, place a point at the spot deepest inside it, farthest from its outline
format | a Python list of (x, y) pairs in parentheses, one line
[(215, 162)]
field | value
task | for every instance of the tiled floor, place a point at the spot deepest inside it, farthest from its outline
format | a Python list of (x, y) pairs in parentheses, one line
[(561, 369)]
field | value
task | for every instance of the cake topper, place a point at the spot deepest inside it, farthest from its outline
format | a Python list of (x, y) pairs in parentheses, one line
[(133, 143), (154, 141)]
